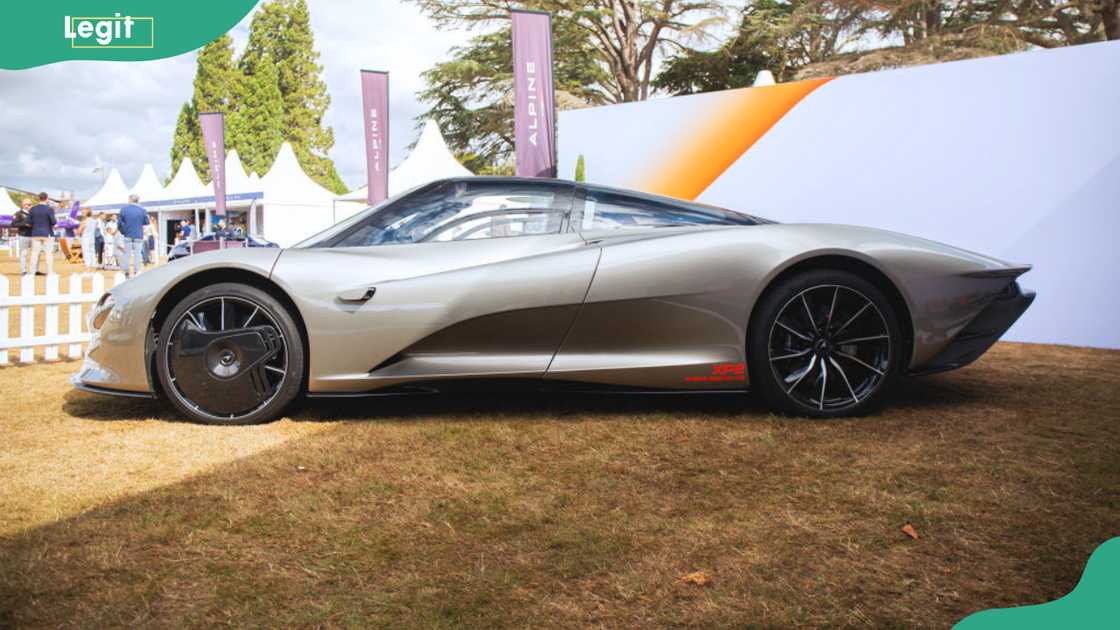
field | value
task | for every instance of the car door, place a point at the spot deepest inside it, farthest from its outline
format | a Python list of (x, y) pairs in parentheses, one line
[(661, 312), (466, 278)]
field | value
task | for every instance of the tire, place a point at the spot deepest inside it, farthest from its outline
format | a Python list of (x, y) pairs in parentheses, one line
[(230, 354), (824, 331)]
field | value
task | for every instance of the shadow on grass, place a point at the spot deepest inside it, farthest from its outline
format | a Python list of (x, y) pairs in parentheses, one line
[(927, 393), (88, 406)]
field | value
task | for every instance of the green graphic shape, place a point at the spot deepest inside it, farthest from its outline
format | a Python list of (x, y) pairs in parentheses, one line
[(1093, 603), (49, 31)]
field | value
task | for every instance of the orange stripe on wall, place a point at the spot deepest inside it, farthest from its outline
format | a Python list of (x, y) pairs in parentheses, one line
[(724, 130)]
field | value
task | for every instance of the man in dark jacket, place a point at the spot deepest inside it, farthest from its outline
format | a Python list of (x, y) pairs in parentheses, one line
[(42, 234), (21, 221), (132, 220)]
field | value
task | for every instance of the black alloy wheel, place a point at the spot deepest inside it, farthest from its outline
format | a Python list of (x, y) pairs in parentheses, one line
[(230, 354), (824, 344)]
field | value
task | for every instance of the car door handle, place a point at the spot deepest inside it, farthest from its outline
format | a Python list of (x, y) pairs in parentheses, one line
[(361, 294)]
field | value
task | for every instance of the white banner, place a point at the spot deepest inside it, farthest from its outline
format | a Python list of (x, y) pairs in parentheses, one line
[(1015, 156)]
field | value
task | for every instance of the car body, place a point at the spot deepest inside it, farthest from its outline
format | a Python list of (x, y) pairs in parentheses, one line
[(182, 249), (548, 282)]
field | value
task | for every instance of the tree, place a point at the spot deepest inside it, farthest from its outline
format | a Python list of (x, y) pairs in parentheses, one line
[(733, 65), (773, 35), (730, 66), (187, 141), (1110, 16), (605, 51), (798, 39), (216, 79), (216, 85), (580, 168), (1043, 23), (627, 36), (256, 128), (471, 95), (943, 30), (274, 87), (281, 32)]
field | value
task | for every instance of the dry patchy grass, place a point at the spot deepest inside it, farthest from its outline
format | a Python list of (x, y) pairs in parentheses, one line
[(572, 511)]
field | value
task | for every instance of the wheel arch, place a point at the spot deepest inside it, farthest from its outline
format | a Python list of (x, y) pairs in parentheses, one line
[(857, 266), (187, 285)]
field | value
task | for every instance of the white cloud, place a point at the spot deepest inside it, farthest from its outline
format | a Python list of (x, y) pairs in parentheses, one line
[(61, 121)]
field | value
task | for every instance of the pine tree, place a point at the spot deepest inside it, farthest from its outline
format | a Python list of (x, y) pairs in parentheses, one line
[(256, 128), (217, 79), (216, 89), (292, 92), (187, 141), (281, 31)]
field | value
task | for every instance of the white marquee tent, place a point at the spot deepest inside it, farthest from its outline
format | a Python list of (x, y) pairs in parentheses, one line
[(147, 186), (430, 160), (237, 180), (186, 184), (7, 206), (284, 206), (295, 206), (113, 193)]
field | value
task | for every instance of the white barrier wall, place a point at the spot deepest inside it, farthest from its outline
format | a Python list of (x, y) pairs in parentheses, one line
[(1015, 156)]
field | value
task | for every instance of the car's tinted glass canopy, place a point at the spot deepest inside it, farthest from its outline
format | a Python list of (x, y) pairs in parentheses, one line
[(473, 208), (606, 208)]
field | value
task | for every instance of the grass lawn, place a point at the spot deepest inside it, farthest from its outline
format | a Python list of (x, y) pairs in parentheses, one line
[(514, 511)]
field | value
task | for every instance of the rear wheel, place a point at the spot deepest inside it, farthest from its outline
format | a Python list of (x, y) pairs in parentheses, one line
[(824, 344), (230, 354)]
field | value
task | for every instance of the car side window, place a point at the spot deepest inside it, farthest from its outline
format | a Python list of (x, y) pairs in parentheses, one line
[(606, 210), (499, 224), (465, 210)]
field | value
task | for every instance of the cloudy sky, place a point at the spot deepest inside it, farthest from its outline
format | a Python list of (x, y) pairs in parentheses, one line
[(59, 122)]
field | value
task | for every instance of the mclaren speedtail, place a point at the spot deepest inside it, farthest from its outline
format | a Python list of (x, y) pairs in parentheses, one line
[(475, 282)]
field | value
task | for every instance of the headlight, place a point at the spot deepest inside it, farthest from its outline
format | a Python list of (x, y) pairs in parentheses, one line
[(101, 311)]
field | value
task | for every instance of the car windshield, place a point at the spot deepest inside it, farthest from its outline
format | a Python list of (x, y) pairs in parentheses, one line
[(333, 231), (453, 210)]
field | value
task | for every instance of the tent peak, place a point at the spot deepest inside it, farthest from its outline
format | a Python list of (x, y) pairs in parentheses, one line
[(7, 206), (148, 185)]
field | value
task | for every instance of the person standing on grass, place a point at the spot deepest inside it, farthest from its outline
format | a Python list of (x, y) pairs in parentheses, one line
[(109, 229), (87, 234), (147, 232), (102, 242), (153, 243), (21, 221), (42, 235), (131, 222)]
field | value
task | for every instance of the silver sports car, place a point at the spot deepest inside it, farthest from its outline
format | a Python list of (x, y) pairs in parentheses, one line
[(477, 282)]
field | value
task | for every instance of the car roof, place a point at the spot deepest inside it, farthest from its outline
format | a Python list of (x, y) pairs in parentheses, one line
[(506, 179), (636, 194), (512, 179)]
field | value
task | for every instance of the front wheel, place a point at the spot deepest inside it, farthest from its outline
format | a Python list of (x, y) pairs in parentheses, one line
[(230, 354), (824, 344)]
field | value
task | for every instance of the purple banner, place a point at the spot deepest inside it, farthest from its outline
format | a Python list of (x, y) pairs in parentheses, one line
[(214, 140), (533, 104), (375, 111)]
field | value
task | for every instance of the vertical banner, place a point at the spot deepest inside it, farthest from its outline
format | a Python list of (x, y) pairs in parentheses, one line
[(375, 111), (214, 139), (534, 129)]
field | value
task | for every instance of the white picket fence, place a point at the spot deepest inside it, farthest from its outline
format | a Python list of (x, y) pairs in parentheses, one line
[(28, 302)]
